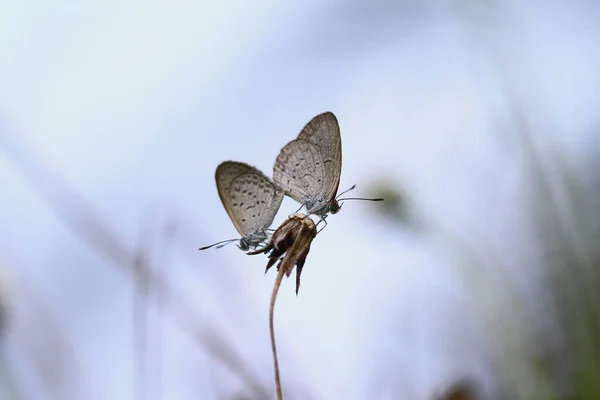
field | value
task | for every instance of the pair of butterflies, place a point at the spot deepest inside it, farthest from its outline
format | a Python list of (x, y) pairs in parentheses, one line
[(307, 169)]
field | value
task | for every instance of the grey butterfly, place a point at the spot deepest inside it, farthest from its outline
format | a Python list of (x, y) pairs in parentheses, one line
[(251, 200), (308, 169)]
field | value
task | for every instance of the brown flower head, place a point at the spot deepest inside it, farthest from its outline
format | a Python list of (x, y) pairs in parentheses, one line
[(293, 238)]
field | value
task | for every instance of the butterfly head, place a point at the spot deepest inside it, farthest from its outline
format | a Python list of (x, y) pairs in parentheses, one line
[(244, 245), (334, 206), (253, 240)]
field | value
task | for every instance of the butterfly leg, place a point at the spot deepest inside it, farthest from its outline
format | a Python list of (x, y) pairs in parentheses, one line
[(322, 220)]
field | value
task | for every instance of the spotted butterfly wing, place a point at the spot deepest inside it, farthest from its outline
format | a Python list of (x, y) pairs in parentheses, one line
[(309, 168), (250, 198), (323, 131), (299, 170)]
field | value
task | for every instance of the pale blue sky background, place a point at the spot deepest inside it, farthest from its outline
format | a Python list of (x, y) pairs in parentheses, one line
[(136, 103)]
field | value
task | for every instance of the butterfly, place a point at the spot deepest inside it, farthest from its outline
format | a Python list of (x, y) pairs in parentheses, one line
[(308, 168), (251, 200)]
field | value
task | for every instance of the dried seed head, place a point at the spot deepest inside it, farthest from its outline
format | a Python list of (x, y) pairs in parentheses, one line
[(291, 241)]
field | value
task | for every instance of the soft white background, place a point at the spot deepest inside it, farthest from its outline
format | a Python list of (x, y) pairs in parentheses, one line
[(135, 104)]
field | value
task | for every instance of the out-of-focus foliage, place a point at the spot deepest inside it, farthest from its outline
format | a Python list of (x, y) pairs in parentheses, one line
[(461, 390), (396, 206)]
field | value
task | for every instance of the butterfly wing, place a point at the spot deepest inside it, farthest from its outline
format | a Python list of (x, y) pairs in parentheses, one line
[(250, 198), (300, 172), (226, 172), (254, 202), (323, 131)]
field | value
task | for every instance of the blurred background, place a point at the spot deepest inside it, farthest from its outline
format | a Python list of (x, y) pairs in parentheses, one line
[(476, 120)]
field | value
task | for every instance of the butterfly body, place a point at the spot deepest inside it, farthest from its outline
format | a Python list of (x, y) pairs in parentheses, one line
[(253, 240), (318, 207)]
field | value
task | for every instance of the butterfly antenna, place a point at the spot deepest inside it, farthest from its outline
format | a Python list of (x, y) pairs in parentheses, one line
[(361, 198), (354, 198), (220, 244), (345, 191)]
